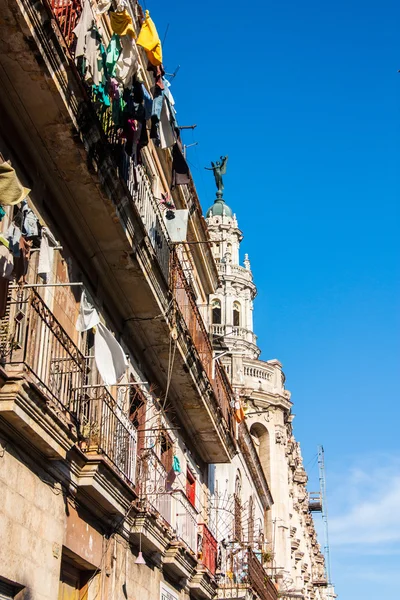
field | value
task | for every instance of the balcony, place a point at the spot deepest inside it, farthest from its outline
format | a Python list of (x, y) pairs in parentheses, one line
[(105, 430), (234, 332), (209, 549), (157, 496), (244, 571), (45, 398), (166, 523), (203, 584), (236, 271), (67, 144)]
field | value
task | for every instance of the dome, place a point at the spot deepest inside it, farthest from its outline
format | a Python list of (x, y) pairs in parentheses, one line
[(218, 208)]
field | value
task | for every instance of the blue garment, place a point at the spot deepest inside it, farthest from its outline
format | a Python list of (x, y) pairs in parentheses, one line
[(13, 236), (2, 213), (148, 102), (30, 223), (157, 107)]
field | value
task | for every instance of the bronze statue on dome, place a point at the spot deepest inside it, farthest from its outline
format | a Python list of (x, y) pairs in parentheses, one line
[(219, 169)]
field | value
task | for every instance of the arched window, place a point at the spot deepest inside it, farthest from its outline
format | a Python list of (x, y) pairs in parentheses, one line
[(216, 312), (236, 314)]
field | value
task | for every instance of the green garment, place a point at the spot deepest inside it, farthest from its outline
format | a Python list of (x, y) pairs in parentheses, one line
[(118, 106), (176, 465), (101, 95), (112, 54)]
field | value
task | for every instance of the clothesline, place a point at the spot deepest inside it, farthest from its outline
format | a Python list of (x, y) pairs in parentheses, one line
[(45, 285), (100, 385)]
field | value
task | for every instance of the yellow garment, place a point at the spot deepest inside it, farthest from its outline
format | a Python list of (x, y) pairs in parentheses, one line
[(121, 23), (149, 40), (11, 189)]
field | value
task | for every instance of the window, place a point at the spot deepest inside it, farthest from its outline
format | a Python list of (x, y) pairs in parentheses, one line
[(166, 451), (167, 593), (191, 488), (236, 314), (216, 312), (9, 591), (73, 580)]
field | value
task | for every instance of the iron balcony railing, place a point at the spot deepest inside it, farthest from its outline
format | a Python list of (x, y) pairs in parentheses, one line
[(32, 339), (186, 520), (150, 214), (66, 13), (243, 569), (154, 491), (105, 429), (194, 322), (157, 493), (208, 550)]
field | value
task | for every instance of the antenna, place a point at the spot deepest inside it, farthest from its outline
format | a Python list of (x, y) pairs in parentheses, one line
[(317, 502), (322, 484)]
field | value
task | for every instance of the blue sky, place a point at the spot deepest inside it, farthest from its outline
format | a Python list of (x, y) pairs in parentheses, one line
[(303, 97)]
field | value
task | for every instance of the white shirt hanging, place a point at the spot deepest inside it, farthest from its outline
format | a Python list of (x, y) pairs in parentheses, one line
[(109, 356), (88, 316), (46, 253)]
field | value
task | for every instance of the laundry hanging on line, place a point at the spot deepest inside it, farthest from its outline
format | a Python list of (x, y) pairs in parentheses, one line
[(21, 262), (121, 23), (88, 316), (180, 169), (11, 189), (46, 253), (13, 235), (30, 222), (108, 354), (110, 358), (149, 40)]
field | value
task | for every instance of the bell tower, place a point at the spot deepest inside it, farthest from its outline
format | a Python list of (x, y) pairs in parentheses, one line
[(231, 307)]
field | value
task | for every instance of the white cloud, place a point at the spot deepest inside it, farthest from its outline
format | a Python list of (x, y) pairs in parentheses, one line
[(364, 505)]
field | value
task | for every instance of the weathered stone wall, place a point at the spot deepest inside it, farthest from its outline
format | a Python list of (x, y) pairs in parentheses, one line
[(32, 525)]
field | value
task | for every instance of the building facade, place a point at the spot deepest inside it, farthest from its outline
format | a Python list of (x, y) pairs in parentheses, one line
[(125, 470), (291, 551)]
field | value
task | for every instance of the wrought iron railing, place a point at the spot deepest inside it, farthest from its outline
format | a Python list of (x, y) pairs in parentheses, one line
[(105, 429), (153, 485), (157, 493), (194, 322), (66, 13), (258, 578), (208, 551), (32, 339), (140, 188), (224, 394), (186, 520), (191, 315), (242, 569)]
